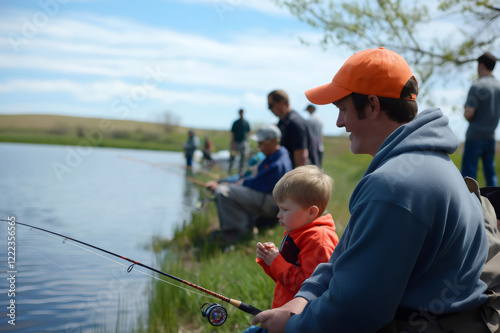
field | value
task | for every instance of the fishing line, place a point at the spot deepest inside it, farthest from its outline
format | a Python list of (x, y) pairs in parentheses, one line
[(170, 167), (165, 168), (41, 255), (121, 264), (216, 314), (103, 256)]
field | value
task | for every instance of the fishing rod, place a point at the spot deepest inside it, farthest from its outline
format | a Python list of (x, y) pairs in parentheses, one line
[(215, 313), (157, 165)]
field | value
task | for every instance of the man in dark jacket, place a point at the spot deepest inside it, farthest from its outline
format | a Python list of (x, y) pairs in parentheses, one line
[(297, 136)]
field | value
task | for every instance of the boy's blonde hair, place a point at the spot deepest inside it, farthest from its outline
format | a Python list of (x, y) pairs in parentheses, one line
[(307, 186)]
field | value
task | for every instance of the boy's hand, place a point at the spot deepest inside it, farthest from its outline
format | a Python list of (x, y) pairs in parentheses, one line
[(267, 252)]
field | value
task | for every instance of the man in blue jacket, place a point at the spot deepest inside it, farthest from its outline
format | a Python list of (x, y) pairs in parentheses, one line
[(238, 204), (412, 253)]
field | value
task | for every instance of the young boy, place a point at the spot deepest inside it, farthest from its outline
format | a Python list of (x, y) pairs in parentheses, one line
[(309, 239)]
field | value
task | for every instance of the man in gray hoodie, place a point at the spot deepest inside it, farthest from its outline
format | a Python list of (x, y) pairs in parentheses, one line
[(412, 253)]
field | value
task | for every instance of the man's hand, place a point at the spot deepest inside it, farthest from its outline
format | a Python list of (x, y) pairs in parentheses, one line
[(469, 113), (275, 320), (267, 252), (211, 185)]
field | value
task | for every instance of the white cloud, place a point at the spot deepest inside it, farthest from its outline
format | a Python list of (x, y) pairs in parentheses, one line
[(227, 6), (103, 51), (97, 91), (98, 59)]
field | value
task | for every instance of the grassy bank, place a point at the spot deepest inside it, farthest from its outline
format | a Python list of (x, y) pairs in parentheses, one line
[(234, 273)]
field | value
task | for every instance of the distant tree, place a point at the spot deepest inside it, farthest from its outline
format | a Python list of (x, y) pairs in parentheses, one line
[(170, 120), (397, 25)]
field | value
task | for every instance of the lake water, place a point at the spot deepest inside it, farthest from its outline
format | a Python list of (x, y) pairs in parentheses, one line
[(117, 199)]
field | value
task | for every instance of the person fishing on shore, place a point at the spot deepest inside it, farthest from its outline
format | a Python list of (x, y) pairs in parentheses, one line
[(190, 147), (239, 204), (411, 256)]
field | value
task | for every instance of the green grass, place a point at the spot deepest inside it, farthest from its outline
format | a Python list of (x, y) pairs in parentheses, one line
[(173, 309)]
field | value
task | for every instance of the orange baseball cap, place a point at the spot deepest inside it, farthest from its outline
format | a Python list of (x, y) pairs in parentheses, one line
[(378, 72)]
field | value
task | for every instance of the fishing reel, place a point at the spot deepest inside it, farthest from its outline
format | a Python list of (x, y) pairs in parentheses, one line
[(216, 314)]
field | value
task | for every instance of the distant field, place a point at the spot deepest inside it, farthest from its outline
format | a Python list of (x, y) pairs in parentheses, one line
[(50, 122), (64, 130), (51, 129)]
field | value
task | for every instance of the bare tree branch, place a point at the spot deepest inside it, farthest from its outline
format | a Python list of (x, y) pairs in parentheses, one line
[(396, 24)]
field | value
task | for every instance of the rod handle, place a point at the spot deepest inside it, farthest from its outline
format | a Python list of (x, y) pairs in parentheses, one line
[(245, 307)]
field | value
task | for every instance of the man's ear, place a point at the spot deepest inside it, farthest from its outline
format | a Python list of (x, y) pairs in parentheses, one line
[(374, 106)]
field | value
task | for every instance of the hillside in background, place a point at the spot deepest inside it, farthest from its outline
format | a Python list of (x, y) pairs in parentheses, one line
[(64, 130)]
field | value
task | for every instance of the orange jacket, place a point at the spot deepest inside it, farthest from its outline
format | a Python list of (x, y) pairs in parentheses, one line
[(314, 242)]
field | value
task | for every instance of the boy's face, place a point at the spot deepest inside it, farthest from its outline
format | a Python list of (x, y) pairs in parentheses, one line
[(292, 215)]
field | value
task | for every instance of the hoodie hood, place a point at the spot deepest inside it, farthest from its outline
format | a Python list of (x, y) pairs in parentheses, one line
[(429, 131)]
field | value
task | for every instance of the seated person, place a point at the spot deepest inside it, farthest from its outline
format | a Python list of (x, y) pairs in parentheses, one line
[(208, 149), (238, 204)]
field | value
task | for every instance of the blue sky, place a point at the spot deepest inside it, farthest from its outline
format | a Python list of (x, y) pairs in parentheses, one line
[(197, 60)]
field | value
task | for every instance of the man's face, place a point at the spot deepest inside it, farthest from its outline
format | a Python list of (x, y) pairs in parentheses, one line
[(276, 107), (359, 129), (267, 147)]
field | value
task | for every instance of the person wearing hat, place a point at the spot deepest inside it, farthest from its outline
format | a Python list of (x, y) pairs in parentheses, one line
[(412, 253), (239, 204), (316, 124), (482, 111)]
